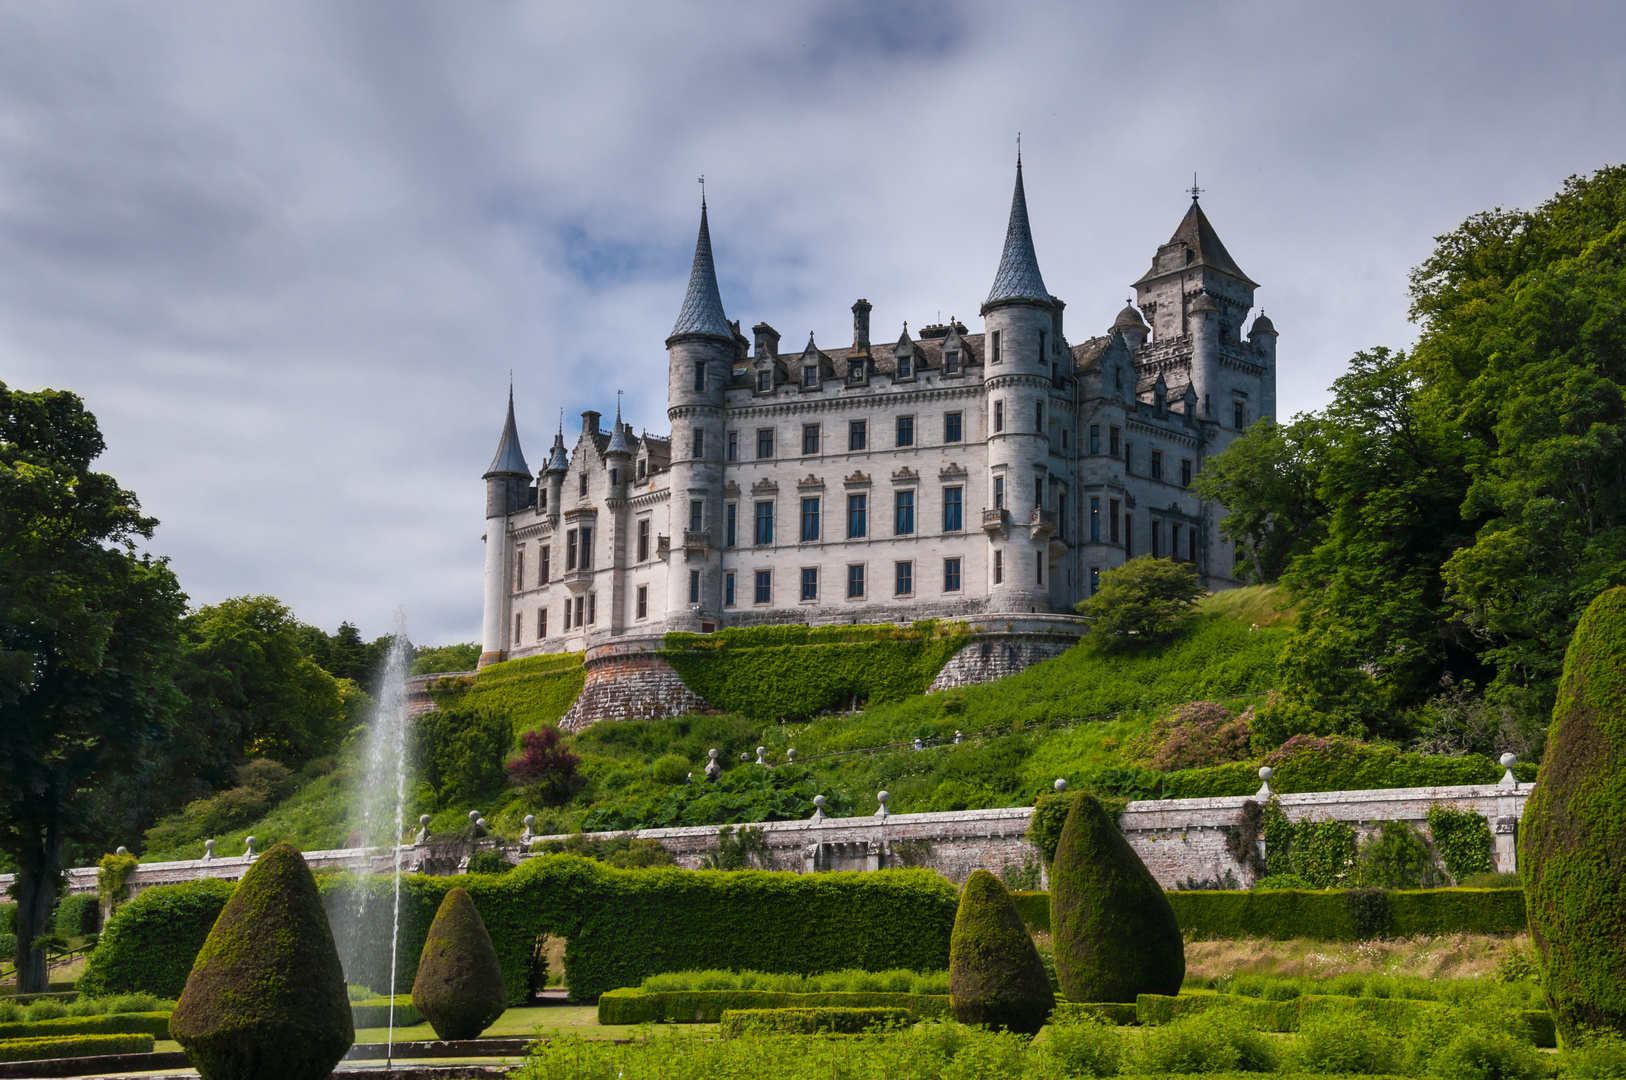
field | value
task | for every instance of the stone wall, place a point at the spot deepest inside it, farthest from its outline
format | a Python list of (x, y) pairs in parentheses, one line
[(626, 680)]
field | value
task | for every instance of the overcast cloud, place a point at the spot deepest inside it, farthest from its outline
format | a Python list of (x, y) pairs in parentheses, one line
[(289, 252)]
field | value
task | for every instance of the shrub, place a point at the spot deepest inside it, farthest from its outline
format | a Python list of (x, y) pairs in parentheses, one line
[(1034, 908), (742, 795), (149, 943), (995, 975), (1218, 1040), (460, 750), (1335, 763), (1193, 736), (77, 916), (73, 1046), (896, 981), (745, 848), (1089, 1047), (489, 862), (622, 852), (113, 878), (1049, 817), (836, 1021), (1594, 1057), (1144, 600), (670, 769), (1114, 931), (544, 768), (459, 985), (1573, 832), (1484, 1053), (1463, 839), (266, 998), (707, 1006), (1342, 1042), (261, 783), (1396, 858), (436, 659)]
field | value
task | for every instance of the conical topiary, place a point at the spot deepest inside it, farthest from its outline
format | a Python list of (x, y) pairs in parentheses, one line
[(459, 987), (995, 974), (1114, 931), (266, 997), (1572, 842)]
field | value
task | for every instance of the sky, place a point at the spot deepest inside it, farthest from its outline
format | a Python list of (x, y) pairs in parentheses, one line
[(289, 253)]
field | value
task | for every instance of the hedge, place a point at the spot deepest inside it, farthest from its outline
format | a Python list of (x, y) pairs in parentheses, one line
[(841, 1021), (155, 1024), (74, 1046), (1337, 764), (792, 671), (530, 691), (631, 1006), (1330, 915), (1078, 1012), (375, 1013), (77, 916), (1154, 1009), (1394, 1015), (1034, 908), (620, 925)]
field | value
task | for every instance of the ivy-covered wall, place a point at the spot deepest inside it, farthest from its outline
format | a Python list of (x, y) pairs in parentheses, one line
[(794, 672), (531, 691)]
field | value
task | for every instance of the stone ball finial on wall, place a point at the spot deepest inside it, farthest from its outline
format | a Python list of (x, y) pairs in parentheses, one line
[(1508, 779), (1265, 773), (249, 854), (760, 759), (1061, 785), (121, 850), (208, 849), (882, 798)]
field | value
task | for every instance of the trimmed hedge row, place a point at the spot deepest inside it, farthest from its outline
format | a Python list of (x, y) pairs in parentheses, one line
[(1338, 764), (74, 1046), (1155, 1009), (155, 1024), (737, 1022), (1331, 915), (530, 691), (1394, 1015), (1078, 1012), (631, 1006), (376, 1013), (621, 925)]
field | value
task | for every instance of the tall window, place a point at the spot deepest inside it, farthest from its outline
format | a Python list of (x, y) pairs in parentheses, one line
[(764, 590), (541, 623), (1239, 416), (903, 579), (952, 427), (1038, 489), (731, 521), (1129, 536), (951, 575), (568, 623), (999, 493), (906, 366), (1095, 580), (810, 519), (643, 539), (1129, 456), (547, 569), (1157, 464), (1191, 543), (592, 608), (857, 434), (583, 485), (810, 376), (765, 442), (855, 582), (697, 515), (643, 601), (641, 468), (570, 550), (1112, 520), (733, 446), (764, 380), (951, 362), (857, 517), (953, 516), (810, 583), (1043, 337), (698, 443), (1095, 438), (1185, 472), (587, 551), (1095, 518), (519, 570), (1112, 441), (764, 529), (1174, 540), (903, 520), (700, 375), (906, 431), (810, 438), (999, 416), (694, 586), (1038, 417), (542, 493), (999, 356), (1157, 539), (728, 590), (519, 626), (1038, 566), (999, 566)]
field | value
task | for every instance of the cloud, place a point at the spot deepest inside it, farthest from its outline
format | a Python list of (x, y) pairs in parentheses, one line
[(289, 252)]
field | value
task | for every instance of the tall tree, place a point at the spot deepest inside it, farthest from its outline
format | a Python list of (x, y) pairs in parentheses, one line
[(88, 642), (1266, 480)]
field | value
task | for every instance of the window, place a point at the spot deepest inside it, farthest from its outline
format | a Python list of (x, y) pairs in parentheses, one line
[(1191, 543), (1038, 489), (581, 608), (641, 467), (810, 519), (643, 539), (1038, 417), (953, 517), (541, 623), (999, 566), (764, 527), (999, 493), (810, 376), (731, 520), (733, 446), (567, 614), (855, 371), (728, 590), (810, 583), (697, 518), (951, 575), (1185, 472), (903, 520), (1061, 514), (906, 366), (547, 570), (570, 550), (764, 380), (999, 416), (1157, 464), (1239, 416), (1064, 438), (765, 442), (764, 592), (1129, 456), (857, 515), (698, 444), (906, 431), (1174, 540), (1095, 518), (583, 479), (1129, 536), (1095, 580), (951, 427), (1157, 539), (999, 356), (951, 362), (904, 578), (1038, 565), (1043, 337), (519, 626), (519, 570), (857, 434), (615, 477), (700, 375), (1112, 520), (1112, 441), (542, 493), (810, 438), (855, 582), (587, 551), (643, 602), (694, 586), (592, 608)]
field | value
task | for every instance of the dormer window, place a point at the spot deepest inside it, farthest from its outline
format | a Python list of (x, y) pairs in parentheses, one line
[(764, 380), (855, 371), (641, 469), (906, 367), (810, 376), (951, 363)]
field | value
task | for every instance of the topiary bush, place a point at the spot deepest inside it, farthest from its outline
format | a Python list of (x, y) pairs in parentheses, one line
[(149, 943), (1572, 842), (995, 974), (459, 987), (266, 999), (1114, 931)]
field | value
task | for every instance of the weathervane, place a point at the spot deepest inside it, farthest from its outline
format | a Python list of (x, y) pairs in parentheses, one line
[(702, 189), (1195, 190)]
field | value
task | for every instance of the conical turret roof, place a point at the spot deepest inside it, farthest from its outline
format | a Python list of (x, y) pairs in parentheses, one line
[(618, 437), (558, 457), (1197, 235), (1018, 277), (509, 459), (702, 305)]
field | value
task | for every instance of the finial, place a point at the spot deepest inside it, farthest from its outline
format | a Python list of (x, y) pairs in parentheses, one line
[(1195, 190), (1018, 149), (702, 191)]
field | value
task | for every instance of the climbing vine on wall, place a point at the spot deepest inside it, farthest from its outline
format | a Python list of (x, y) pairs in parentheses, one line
[(1320, 852), (531, 691), (1463, 839)]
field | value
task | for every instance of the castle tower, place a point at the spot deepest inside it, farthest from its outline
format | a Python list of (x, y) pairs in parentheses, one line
[(507, 486), (1022, 322), (554, 474), (700, 352)]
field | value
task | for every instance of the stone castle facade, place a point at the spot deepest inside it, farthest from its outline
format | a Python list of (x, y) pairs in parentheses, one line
[(943, 474)]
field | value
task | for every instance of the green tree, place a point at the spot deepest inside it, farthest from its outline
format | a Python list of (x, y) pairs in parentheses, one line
[(88, 642), (1267, 482), (1143, 600)]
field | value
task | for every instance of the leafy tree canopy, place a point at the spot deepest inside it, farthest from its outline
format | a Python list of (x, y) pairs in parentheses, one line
[(1145, 599)]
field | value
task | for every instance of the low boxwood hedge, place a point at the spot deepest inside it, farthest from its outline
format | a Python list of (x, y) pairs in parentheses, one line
[(1394, 1015), (155, 1024), (376, 1013), (632, 1006), (736, 1022), (1156, 1009), (73, 1046), (1330, 915), (1078, 1012)]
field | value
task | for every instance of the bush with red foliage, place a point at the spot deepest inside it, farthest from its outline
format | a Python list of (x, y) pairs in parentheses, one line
[(545, 768), (1195, 735)]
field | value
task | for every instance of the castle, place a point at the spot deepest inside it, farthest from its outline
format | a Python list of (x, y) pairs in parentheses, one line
[(946, 474)]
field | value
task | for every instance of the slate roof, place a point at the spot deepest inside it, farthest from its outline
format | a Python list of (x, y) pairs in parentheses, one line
[(1018, 277), (1196, 233), (702, 305), (558, 458), (509, 457)]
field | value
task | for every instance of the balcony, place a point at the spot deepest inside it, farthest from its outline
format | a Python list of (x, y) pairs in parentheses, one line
[(577, 580), (696, 543), (1042, 522), (996, 520)]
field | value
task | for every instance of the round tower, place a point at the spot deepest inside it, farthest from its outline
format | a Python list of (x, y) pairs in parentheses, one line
[(1262, 336), (507, 481), (700, 352), (1022, 342), (1204, 320)]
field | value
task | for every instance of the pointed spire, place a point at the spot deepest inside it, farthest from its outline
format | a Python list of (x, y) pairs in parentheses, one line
[(618, 436), (509, 457), (558, 457), (702, 305), (1018, 277), (1196, 235)]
